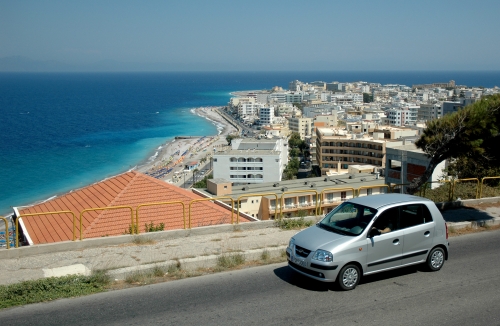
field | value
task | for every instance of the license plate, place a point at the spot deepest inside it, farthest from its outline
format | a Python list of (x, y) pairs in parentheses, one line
[(299, 262)]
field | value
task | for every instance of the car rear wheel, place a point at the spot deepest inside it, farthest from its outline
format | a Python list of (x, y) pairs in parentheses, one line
[(435, 260), (348, 277)]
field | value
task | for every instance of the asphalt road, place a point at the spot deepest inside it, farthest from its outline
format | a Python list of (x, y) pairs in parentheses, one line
[(465, 292)]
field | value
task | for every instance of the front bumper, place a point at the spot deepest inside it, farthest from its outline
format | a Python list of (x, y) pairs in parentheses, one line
[(317, 271)]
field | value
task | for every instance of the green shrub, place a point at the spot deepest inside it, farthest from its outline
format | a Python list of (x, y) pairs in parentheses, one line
[(154, 228), (292, 224), (52, 288), (230, 261)]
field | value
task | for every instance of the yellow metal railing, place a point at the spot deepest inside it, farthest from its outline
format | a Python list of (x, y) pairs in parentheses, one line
[(482, 182), (253, 195), (158, 204), (7, 240), (426, 186), (132, 227), (299, 192), (331, 190), (318, 197), (372, 187), (211, 199), (461, 180), (392, 186)]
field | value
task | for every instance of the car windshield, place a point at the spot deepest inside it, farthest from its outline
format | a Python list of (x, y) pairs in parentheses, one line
[(348, 219)]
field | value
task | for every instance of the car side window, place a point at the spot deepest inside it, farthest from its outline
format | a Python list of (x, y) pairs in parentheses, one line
[(414, 214), (387, 221)]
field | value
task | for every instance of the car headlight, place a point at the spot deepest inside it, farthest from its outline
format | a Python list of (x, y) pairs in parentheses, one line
[(291, 243), (323, 255)]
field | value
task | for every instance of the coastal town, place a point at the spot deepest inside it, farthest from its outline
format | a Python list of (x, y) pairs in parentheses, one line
[(353, 139), (387, 119)]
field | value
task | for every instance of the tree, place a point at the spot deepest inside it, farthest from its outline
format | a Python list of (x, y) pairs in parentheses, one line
[(230, 138), (294, 141), (367, 98), (470, 134), (203, 182)]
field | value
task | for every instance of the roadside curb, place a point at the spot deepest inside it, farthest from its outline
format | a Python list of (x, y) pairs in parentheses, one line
[(193, 264)]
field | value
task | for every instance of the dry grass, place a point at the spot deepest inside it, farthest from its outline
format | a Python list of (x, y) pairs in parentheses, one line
[(452, 232)]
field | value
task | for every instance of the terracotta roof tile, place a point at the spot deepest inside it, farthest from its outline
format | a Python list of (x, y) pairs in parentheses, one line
[(128, 189)]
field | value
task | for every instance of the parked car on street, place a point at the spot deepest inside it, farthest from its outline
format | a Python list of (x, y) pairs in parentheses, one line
[(370, 234)]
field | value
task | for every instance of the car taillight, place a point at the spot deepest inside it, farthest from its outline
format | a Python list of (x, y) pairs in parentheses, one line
[(446, 230)]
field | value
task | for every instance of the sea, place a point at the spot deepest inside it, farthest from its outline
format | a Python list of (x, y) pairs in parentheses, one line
[(64, 131)]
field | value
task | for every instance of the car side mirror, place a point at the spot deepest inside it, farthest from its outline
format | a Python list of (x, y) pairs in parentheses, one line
[(373, 232)]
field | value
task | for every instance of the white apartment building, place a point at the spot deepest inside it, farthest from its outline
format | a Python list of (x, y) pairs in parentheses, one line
[(347, 98), (428, 112), (402, 116), (266, 115), (312, 111), (252, 161), (295, 97), (295, 85), (279, 97), (235, 101), (246, 108)]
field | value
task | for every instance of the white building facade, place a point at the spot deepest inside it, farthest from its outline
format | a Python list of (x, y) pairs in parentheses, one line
[(266, 115), (252, 161)]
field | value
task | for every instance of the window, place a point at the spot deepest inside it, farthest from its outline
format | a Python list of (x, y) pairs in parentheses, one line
[(388, 220), (343, 196), (416, 214), (369, 191)]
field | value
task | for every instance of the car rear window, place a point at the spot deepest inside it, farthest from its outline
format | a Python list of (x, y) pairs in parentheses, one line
[(414, 214)]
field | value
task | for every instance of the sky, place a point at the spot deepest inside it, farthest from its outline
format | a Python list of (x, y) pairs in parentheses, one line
[(246, 35)]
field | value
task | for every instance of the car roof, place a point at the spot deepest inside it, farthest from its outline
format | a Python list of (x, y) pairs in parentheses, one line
[(378, 201)]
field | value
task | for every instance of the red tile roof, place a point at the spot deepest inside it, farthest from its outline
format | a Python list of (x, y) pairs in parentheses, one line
[(130, 189)]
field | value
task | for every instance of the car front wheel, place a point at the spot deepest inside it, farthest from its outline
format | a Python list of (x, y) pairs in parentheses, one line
[(435, 260), (348, 277)]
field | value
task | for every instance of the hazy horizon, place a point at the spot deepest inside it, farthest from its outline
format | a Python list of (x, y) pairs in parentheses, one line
[(223, 35)]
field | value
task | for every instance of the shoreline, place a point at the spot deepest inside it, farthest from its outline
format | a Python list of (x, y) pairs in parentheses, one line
[(196, 150), (169, 159)]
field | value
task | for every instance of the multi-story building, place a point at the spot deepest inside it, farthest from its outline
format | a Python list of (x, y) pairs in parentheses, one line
[(336, 150), (300, 125), (278, 97), (295, 85), (450, 107), (402, 116), (235, 101), (266, 116), (406, 162), (247, 108), (428, 112), (298, 197), (252, 160)]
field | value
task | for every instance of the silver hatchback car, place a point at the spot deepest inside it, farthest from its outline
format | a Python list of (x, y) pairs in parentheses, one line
[(370, 234)]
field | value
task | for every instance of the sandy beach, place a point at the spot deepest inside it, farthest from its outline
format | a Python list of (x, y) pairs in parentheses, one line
[(169, 161)]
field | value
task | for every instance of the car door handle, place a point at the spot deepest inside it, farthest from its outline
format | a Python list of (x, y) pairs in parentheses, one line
[(427, 233), (395, 242)]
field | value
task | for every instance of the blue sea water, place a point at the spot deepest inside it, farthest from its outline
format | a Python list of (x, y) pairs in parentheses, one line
[(63, 131)]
